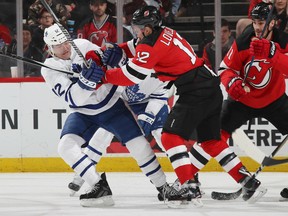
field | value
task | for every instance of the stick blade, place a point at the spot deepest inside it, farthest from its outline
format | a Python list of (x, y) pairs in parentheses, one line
[(226, 196)]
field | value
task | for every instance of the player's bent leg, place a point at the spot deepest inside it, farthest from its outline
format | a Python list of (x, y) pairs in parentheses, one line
[(69, 149), (98, 144), (185, 189), (198, 157), (225, 156), (178, 155), (231, 163), (140, 149), (94, 150)]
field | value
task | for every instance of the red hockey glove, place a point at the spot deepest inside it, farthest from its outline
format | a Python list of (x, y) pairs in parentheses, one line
[(235, 88), (263, 48)]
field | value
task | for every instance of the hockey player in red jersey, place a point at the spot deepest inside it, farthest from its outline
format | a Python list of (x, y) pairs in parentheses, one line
[(262, 94), (163, 52)]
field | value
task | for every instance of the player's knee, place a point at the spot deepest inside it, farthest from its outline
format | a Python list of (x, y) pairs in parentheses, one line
[(67, 143), (171, 140), (214, 147), (140, 149)]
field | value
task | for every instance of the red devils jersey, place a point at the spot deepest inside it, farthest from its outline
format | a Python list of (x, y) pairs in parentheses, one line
[(99, 35), (265, 79), (164, 52)]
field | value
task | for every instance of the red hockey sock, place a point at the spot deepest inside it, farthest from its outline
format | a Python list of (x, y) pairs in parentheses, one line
[(178, 155)]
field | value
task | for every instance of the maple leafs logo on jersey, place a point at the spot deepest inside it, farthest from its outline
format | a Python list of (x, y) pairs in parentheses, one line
[(133, 93), (259, 74)]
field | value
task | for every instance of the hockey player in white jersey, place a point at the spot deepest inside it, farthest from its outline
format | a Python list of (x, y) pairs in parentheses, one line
[(93, 105), (148, 101)]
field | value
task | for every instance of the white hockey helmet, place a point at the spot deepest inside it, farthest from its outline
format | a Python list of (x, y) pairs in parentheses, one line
[(53, 35)]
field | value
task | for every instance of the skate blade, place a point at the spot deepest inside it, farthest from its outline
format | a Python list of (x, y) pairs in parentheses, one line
[(260, 192), (194, 203), (99, 202)]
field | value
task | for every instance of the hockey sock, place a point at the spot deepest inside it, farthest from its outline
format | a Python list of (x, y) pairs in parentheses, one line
[(229, 161), (178, 155)]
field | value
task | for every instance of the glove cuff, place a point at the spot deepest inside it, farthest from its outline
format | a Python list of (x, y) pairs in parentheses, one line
[(272, 50), (86, 84), (147, 117), (232, 81)]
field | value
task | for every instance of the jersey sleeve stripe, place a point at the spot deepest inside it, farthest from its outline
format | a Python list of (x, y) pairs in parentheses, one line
[(131, 71), (131, 46)]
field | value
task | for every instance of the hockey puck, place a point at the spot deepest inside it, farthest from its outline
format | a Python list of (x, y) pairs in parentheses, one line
[(284, 193)]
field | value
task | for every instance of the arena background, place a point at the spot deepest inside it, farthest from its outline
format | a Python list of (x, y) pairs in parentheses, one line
[(32, 118)]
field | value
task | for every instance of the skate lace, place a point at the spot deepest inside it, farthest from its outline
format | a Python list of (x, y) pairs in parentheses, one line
[(93, 189)]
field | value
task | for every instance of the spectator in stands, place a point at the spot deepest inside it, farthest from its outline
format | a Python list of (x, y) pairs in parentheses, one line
[(281, 9), (45, 20), (101, 27), (57, 6), (29, 51), (226, 42), (128, 10), (5, 34)]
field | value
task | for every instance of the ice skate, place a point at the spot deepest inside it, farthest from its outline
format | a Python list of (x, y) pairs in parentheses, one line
[(163, 192), (100, 195), (183, 196), (76, 184), (252, 191)]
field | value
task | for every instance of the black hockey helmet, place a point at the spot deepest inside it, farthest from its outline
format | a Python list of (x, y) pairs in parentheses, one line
[(147, 15), (261, 11)]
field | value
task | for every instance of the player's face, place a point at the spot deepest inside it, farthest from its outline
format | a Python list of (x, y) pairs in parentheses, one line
[(62, 51), (141, 31), (138, 31), (258, 26)]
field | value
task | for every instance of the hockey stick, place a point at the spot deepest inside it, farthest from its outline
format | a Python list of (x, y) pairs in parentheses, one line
[(65, 32), (243, 141), (35, 63), (234, 195), (269, 18)]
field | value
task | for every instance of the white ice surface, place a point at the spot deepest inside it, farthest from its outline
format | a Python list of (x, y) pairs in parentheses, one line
[(44, 194)]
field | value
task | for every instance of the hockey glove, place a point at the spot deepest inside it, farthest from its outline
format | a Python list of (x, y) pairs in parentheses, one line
[(114, 56), (145, 120), (235, 88), (89, 77), (263, 48)]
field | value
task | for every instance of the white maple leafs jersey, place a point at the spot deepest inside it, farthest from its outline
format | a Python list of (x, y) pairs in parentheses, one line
[(150, 90), (66, 87)]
